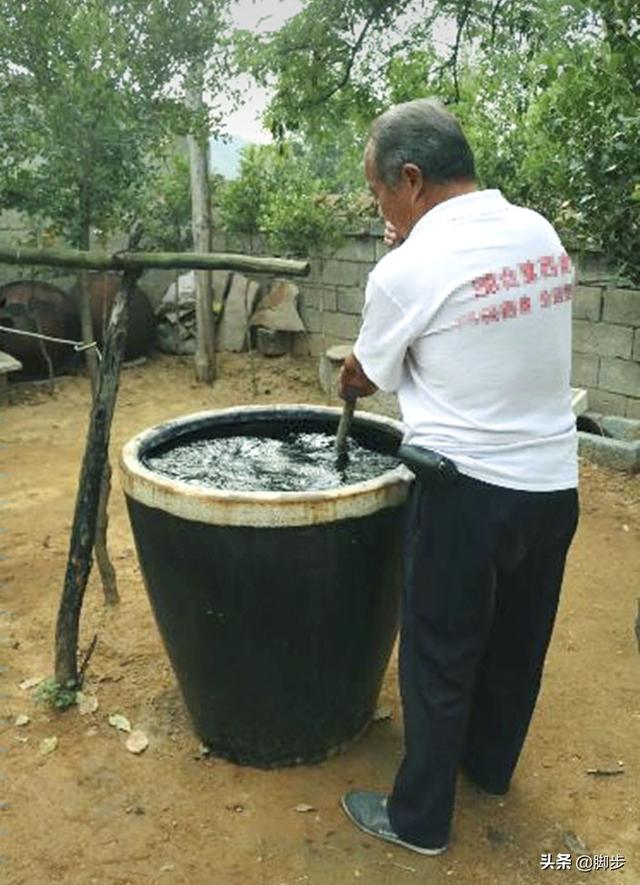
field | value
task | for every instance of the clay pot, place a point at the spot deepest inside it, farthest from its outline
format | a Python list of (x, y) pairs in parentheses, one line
[(103, 288), (278, 610), (36, 306)]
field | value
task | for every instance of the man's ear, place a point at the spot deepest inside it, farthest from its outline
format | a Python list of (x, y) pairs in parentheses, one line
[(413, 176)]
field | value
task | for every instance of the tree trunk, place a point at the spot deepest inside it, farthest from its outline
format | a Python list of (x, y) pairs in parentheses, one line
[(88, 496), (205, 356)]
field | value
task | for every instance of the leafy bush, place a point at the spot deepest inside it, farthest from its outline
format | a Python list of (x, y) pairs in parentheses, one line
[(60, 697), (279, 195), (164, 205)]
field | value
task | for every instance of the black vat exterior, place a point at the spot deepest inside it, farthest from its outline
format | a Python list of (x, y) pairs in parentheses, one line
[(279, 634)]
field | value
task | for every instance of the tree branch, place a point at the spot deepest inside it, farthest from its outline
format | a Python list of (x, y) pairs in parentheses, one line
[(493, 18), (461, 22), (355, 49)]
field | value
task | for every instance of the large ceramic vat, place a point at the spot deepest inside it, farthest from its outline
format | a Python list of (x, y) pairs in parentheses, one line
[(278, 610)]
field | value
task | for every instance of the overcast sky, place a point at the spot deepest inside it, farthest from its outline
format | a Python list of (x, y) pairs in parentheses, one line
[(269, 15), (257, 15)]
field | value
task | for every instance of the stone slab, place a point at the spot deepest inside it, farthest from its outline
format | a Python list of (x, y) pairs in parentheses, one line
[(615, 454), (8, 363), (238, 308), (278, 309), (622, 428), (185, 286), (339, 352), (319, 343)]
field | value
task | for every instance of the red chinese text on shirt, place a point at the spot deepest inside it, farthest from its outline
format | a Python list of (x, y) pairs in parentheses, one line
[(511, 308), (526, 273)]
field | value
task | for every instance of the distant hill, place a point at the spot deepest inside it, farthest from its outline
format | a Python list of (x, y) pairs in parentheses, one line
[(225, 156)]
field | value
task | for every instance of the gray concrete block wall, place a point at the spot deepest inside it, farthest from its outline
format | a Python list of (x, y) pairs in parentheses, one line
[(602, 339), (587, 303), (606, 343)]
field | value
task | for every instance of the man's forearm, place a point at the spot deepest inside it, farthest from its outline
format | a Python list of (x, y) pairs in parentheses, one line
[(353, 382)]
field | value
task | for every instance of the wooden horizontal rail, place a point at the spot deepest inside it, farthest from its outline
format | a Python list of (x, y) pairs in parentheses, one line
[(146, 260)]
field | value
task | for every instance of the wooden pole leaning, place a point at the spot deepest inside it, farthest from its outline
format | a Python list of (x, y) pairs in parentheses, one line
[(88, 495)]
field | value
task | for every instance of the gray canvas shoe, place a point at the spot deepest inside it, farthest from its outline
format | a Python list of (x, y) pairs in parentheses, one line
[(368, 811)]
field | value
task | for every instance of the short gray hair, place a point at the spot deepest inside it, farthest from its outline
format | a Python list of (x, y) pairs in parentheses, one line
[(422, 132)]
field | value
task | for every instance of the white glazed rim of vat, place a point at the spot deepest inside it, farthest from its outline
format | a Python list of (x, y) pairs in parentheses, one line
[(199, 503)]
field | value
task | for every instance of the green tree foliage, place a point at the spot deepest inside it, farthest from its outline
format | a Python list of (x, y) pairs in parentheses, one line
[(92, 96), (279, 194), (164, 201), (548, 93)]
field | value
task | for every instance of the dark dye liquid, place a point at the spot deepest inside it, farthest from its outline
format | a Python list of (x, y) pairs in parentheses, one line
[(297, 462)]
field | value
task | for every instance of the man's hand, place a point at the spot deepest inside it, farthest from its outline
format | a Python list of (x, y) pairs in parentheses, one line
[(391, 236), (353, 382)]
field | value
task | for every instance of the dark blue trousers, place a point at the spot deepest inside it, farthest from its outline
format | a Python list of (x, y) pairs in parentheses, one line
[(483, 570)]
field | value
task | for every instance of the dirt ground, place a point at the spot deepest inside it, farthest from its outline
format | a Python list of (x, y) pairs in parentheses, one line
[(91, 812)]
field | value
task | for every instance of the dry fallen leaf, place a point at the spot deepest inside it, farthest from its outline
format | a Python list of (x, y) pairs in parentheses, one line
[(574, 843), (48, 745), (86, 703), (137, 742), (26, 684), (22, 719), (303, 807), (120, 722)]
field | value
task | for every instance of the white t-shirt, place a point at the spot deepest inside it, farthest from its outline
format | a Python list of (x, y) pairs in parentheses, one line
[(469, 320)]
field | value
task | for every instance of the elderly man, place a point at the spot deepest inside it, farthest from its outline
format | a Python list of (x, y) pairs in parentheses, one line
[(468, 319)]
